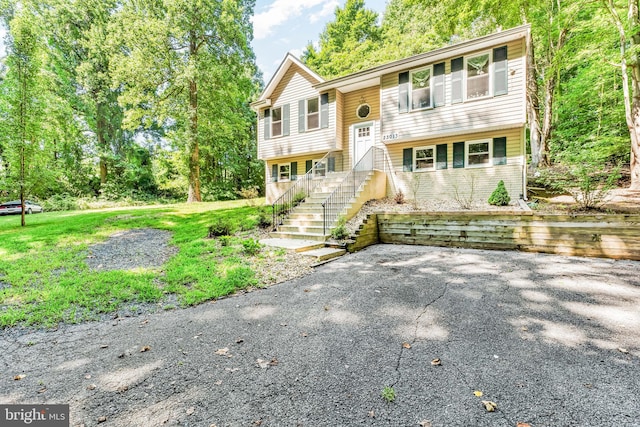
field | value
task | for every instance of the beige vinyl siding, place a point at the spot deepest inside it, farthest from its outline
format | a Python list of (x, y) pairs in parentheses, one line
[(295, 86), (497, 112), (442, 184), (352, 100), (339, 119), (274, 190)]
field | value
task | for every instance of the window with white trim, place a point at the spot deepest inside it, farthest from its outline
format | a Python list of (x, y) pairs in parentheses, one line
[(478, 81), (276, 122), (421, 89), (478, 153), (424, 158), (284, 172), (320, 169), (313, 113)]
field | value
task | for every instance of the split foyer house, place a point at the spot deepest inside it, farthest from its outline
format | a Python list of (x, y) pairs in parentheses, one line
[(439, 125)]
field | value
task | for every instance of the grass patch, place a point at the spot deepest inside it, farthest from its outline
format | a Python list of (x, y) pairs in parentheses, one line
[(44, 279)]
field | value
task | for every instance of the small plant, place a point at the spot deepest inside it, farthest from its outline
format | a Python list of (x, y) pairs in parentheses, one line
[(265, 219), (225, 240), (249, 194), (298, 198), (500, 196), (388, 394), (340, 231), (251, 246), (222, 227), (465, 199), (399, 197)]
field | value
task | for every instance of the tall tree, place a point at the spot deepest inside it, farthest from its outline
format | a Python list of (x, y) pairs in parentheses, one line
[(169, 49), (23, 92), (347, 43), (628, 29)]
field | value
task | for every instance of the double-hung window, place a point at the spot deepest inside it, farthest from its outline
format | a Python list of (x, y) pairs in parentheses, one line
[(276, 122), (421, 89), (313, 113), (478, 81), (425, 158), (284, 172), (479, 153)]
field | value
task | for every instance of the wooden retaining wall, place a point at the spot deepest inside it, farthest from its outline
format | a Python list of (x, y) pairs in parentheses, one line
[(607, 236)]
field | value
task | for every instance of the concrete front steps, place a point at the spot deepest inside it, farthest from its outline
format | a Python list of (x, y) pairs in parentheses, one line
[(319, 250)]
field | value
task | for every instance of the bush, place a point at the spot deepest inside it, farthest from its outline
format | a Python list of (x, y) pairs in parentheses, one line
[(60, 202), (500, 196), (222, 227), (340, 231), (265, 218), (251, 246), (399, 197)]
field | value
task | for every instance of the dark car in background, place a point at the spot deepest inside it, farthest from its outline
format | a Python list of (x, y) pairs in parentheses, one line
[(14, 207)]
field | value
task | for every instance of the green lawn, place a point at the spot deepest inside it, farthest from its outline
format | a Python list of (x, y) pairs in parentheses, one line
[(44, 279)]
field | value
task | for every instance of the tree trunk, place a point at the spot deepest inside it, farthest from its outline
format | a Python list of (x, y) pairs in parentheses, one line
[(547, 120), (533, 108), (194, 159), (101, 128), (22, 165)]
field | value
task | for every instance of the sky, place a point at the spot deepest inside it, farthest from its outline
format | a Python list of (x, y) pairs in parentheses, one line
[(281, 26)]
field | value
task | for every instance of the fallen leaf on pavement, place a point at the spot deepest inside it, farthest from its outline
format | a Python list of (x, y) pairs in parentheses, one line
[(145, 348), (372, 414), (222, 351), (239, 341), (262, 363), (406, 345), (91, 387), (274, 362), (102, 419), (478, 393), (19, 377), (87, 377), (42, 390), (523, 425), (304, 334), (489, 405), (436, 362), (623, 350), (191, 410), (104, 346), (425, 423)]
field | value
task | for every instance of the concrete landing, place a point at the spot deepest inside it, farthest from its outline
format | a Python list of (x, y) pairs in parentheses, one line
[(298, 245), (324, 254)]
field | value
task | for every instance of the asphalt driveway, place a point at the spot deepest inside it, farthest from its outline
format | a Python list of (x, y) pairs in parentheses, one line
[(553, 341)]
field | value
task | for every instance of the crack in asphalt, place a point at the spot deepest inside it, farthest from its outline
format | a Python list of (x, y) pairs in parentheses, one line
[(415, 332)]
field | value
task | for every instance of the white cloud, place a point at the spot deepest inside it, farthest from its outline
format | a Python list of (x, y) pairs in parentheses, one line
[(281, 11), (327, 10)]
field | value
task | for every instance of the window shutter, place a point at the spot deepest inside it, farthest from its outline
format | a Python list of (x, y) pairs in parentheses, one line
[(499, 151), (438, 85), (458, 155), (407, 160), (285, 120), (331, 164), (308, 165), (500, 71), (274, 173), (301, 116), (267, 124), (324, 110), (294, 171), (457, 67), (403, 92), (441, 156)]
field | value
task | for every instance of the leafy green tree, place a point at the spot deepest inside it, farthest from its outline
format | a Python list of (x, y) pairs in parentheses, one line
[(629, 44), (22, 88), (170, 61), (348, 43)]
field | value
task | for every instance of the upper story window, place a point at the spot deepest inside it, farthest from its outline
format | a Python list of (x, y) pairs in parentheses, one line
[(477, 68), (313, 113), (276, 122), (421, 89)]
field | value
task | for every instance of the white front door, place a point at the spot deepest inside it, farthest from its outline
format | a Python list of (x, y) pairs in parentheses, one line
[(362, 141)]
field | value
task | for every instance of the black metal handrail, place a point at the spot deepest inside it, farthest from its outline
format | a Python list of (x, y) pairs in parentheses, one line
[(299, 191), (342, 195)]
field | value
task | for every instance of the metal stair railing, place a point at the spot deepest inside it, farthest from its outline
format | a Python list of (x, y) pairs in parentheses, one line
[(302, 188), (342, 195)]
